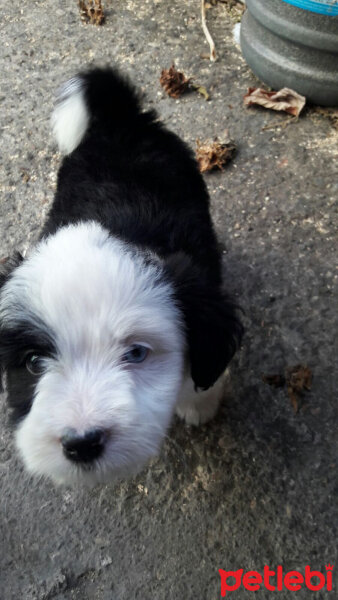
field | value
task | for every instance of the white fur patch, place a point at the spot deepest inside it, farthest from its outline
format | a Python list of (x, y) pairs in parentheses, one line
[(70, 117), (199, 407), (96, 297)]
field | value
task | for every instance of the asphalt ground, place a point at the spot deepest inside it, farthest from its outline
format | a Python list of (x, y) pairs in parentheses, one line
[(258, 485)]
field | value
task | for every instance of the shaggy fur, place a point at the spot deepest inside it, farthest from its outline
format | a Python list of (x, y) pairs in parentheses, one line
[(120, 304)]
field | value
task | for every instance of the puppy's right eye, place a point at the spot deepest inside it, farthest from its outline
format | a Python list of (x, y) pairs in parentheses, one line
[(34, 363), (136, 354)]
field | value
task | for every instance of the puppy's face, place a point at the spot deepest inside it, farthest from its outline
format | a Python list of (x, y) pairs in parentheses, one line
[(92, 345)]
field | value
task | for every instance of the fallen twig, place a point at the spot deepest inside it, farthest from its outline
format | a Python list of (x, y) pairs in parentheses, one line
[(207, 33), (280, 123)]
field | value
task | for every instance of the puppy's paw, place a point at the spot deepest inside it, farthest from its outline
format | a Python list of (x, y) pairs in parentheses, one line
[(197, 408), (197, 414)]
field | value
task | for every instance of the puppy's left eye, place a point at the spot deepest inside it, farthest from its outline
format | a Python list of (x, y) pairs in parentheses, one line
[(136, 354), (34, 363)]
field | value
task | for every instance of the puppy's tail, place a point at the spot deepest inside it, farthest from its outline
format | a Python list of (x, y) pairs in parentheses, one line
[(100, 97)]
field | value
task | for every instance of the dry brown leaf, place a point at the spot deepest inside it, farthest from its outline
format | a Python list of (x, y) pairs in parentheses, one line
[(174, 82), (297, 379), (286, 100), (200, 89), (215, 154), (91, 11), (233, 5), (274, 380), (294, 398)]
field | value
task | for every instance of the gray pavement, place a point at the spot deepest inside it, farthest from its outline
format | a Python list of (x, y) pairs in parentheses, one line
[(258, 485)]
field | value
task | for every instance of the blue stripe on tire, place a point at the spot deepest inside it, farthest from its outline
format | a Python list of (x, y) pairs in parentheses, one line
[(324, 7)]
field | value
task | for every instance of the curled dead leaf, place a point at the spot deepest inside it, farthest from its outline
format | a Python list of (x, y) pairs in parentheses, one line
[(200, 89), (174, 82), (91, 11), (274, 380), (214, 154), (235, 7), (286, 100), (297, 379)]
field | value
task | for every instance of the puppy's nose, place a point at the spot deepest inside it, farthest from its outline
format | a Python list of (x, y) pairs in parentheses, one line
[(83, 448)]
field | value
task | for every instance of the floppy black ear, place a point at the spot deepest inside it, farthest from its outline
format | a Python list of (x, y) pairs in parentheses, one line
[(7, 265), (213, 328)]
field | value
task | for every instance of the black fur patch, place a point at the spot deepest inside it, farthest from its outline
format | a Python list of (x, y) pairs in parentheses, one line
[(15, 343), (6, 268), (213, 328), (8, 265)]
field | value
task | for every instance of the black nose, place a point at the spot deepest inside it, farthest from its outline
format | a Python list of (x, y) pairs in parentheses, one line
[(83, 448)]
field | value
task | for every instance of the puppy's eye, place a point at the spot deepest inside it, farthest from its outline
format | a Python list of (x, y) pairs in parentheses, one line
[(136, 354), (34, 363)]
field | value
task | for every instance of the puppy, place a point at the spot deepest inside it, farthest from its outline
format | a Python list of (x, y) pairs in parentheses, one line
[(117, 318)]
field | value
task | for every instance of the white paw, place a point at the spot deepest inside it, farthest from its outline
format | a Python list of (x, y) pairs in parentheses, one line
[(196, 415), (198, 407), (193, 416)]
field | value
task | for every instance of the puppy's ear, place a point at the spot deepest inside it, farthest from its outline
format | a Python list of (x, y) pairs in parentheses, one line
[(213, 329), (7, 266)]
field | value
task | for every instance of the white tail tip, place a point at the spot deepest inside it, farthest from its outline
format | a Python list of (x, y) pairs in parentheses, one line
[(70, 117)]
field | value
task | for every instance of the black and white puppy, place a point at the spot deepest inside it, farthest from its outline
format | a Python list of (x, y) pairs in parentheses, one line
[(116, 319)]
